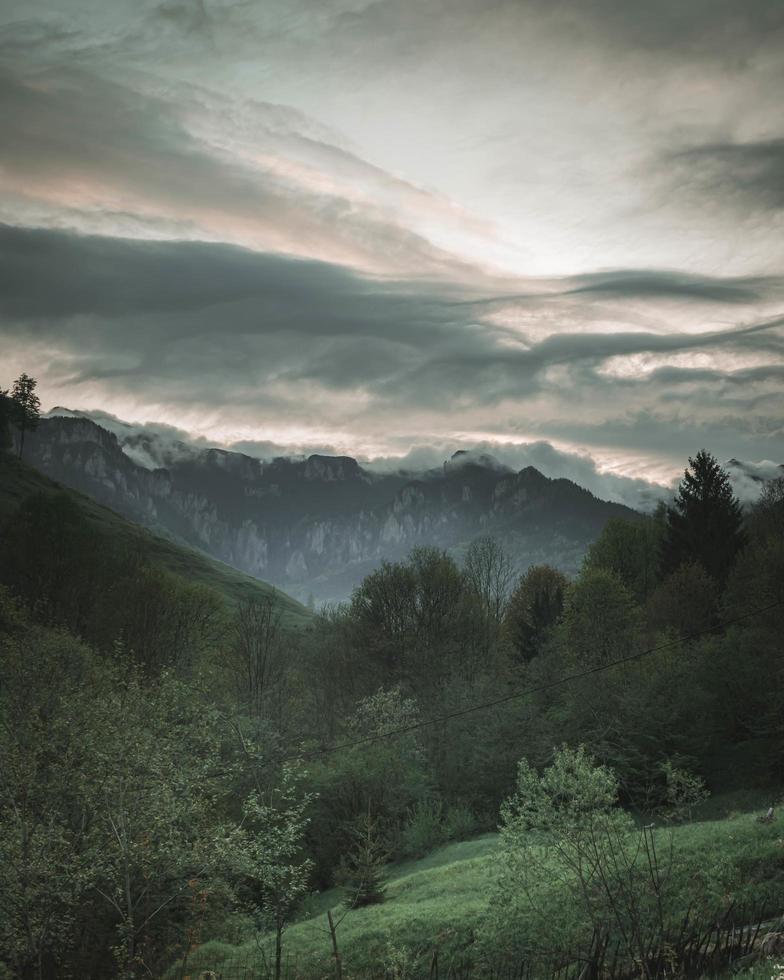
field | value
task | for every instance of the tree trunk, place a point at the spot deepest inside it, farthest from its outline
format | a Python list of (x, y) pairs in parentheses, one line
[(333, 932), (278, 946)]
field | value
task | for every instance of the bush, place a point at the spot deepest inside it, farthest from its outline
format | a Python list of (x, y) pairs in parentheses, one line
[(424, 829), (460, 823)]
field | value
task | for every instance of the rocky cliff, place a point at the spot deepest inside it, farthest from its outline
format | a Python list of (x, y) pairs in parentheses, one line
[(318, 525)]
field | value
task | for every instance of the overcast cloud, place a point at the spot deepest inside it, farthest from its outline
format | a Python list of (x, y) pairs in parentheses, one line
[(391, 228)]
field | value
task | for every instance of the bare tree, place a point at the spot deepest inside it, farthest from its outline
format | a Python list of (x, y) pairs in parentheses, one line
[(257, 646), (490, 572)]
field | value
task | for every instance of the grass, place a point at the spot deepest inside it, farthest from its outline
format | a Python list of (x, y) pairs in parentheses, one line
[(18, 481), (442, 900)]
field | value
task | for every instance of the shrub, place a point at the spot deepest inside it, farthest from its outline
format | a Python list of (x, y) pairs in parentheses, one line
[(460, 823), (424, 829)]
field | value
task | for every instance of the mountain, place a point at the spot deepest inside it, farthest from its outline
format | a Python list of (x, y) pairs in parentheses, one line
[(318, 525), (19, 480)]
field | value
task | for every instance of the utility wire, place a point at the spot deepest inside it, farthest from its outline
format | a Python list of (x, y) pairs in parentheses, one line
[(549, 685)]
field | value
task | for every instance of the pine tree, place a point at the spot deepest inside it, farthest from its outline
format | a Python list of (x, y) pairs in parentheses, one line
[(705, 524), (362, 873), (26, 409)]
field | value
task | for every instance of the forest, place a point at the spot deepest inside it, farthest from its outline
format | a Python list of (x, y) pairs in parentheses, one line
[(184, 770)]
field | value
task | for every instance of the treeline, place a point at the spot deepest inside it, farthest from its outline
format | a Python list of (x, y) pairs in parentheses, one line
[(176, 768)]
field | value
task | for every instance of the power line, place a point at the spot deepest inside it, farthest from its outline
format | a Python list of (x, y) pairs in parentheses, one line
[(568, 678)]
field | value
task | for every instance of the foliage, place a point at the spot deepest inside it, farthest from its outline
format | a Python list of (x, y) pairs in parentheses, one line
[(575, 866), (705, 523), (274, 867), (424, 829), (460, 823), (601, 620), (25, 407), (686, 602), (362, 870), (6, 415), (630, 549), (148, 803), (534, 608)]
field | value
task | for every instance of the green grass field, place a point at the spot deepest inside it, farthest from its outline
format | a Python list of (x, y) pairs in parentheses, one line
[(441, 901), (18, 481)]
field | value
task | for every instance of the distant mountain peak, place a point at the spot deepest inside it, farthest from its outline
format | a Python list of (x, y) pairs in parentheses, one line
[(469, 457), (331, 468)]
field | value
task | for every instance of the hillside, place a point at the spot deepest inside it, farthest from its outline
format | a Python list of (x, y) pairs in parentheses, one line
[(19, 480), (319, 525), (440, 902)]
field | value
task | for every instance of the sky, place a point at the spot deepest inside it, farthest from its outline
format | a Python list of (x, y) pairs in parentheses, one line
[(400, 227)]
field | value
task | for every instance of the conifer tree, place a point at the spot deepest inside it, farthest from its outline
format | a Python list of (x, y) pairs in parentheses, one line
[(705, 524), (26, 407), (362, 873)]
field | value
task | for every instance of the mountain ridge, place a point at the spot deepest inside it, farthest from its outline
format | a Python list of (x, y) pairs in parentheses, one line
[(317, 525)]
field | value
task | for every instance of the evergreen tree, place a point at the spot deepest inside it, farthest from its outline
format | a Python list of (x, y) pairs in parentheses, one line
[(26, 407), (362, 873), (705, 524)]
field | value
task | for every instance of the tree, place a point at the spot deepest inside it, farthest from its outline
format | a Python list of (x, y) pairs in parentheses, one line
[(766, 519), (154, 779), (52, 560), (257, 648), (489, 573), (601, 619), (273, 860), (362, 873), (6, 414), (534, 608), (686, 602), (631, 550), (411, 618), (576, 866), (46, 870), (705, 524), (26, 407)]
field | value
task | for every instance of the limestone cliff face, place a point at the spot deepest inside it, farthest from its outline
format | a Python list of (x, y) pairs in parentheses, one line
[(319, 525)]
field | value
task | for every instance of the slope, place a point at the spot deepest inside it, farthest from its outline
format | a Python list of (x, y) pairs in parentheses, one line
[(18, 481), (442, 900)]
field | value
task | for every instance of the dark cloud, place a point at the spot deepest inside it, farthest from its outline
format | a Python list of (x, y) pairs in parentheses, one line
[(734, 175), (671, 284), (269, 337)]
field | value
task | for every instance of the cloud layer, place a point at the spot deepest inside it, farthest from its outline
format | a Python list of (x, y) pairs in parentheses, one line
[(383, 225), (240, 345)]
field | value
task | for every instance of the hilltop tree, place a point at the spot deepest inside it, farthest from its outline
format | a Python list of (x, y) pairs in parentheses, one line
[(26, 409), (705, 524)]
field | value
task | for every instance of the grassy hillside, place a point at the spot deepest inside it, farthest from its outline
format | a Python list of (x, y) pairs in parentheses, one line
[(18, 481), (441, 900)]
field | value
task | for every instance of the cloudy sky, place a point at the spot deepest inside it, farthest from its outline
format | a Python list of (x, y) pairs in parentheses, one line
[(380, 226)]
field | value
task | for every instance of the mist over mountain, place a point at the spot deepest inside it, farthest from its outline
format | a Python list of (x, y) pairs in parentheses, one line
[(154, 445), (316, 525)]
